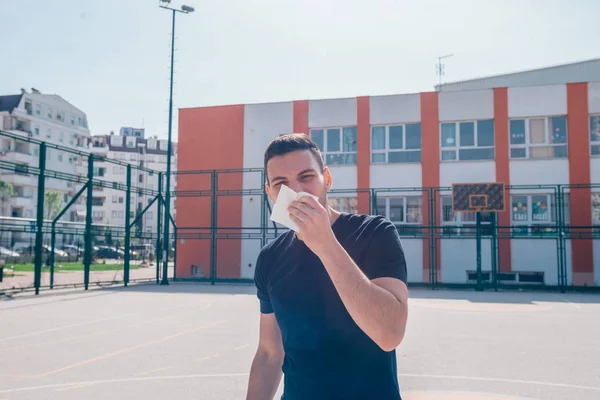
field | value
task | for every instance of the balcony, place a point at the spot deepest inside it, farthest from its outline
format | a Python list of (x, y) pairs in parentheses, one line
[(22, 201), (19, 179), (20, 157)]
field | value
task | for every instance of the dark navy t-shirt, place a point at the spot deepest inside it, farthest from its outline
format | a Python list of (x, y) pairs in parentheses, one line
[(327, 356)]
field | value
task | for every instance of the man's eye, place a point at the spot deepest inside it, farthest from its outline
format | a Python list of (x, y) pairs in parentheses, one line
[(306, 176)]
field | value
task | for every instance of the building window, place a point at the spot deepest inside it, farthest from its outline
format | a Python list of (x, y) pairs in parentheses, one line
[(60, 116), (38, 109), (50, 113), (120, 200), (49, 134), (463, 223), (338, 145), (149, 214), (60, 156), (396, 143), (344, 204), (36, 131), (114, 214), (595, 134), (467, 140), (130, 143), (114, 199), (536, 213), (401, 210), (538, 138), (121, 214), (596, 208)]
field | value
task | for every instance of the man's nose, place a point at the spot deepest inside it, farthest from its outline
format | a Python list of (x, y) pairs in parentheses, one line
[(296, 186)]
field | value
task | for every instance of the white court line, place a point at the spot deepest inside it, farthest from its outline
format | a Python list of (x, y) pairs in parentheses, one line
[(60, 328), (567, 301), (156, 378)]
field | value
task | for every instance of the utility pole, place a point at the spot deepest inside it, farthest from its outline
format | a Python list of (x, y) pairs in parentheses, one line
[(440, 70)]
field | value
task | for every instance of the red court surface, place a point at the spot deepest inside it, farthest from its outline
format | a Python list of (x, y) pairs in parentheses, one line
[(195, 341)]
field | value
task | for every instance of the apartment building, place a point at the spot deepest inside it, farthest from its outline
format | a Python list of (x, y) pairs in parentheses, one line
[(134, 149), (44, 117)]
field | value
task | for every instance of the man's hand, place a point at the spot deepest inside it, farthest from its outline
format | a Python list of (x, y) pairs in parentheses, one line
[(314, 223)]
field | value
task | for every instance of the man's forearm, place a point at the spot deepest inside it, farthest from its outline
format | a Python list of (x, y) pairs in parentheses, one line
[(265, 376), (374, 309)]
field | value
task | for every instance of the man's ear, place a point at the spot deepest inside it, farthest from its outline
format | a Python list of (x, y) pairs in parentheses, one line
[(328, 179), (268, 190)]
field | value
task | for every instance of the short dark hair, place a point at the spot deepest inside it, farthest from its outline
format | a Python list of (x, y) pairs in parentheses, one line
[(286, 143)]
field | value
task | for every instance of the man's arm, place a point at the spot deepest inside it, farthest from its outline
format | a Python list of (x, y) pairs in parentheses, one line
[(265, 372), (379, 304)]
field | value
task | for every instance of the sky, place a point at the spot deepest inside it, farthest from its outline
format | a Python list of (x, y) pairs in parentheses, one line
[(111, 58)]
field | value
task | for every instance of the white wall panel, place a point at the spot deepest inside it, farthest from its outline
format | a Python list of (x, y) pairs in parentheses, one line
[(534, 101), (539, 172), (460, 256), (404, 175), (395, 109), (536, 255), (465, 172), (594, 97), (262, 123), (468, 105), (343, 177), (413, 253), (334, 112)]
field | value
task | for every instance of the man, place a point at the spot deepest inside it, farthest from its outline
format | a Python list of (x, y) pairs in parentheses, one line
[(333, 296)]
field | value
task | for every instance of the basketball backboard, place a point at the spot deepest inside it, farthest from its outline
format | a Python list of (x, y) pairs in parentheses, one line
[(479, 196)]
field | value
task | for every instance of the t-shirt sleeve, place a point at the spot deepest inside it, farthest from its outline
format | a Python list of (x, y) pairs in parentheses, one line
[(385, 256), (260, 280)]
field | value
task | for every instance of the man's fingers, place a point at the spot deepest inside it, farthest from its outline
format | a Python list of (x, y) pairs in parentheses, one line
[(305, 208)]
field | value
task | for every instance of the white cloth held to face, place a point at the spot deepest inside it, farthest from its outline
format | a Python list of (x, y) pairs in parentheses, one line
[(280, 213)]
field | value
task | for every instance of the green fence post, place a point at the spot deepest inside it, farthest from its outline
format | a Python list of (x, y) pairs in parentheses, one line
[(158, 228), (52, 246), (432, 224), (561, 261), (213, 229), (478, 239), (495, 250), (175, 253), (127, 228), (87, 259), (39, 235), (263, 219)]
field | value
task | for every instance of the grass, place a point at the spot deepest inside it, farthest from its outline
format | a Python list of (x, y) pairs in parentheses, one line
[(69, 266)]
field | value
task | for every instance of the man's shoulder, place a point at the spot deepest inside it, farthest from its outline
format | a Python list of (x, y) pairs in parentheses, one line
[(274, 249), (366, 222)]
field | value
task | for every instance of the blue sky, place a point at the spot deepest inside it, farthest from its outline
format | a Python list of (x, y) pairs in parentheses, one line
[(110, 58)]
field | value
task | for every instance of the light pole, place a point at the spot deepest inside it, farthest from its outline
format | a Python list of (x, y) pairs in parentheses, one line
[(185, 10)]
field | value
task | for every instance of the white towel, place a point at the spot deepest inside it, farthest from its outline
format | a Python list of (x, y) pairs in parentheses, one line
[(280, 213)]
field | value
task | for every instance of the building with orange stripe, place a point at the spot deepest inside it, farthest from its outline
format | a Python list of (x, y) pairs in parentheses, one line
[(529, 136)]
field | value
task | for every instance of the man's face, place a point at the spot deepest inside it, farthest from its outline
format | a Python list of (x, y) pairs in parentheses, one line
[(299, 171)]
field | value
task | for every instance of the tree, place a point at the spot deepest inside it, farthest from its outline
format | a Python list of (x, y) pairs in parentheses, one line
[(6, 192), (53, 202)]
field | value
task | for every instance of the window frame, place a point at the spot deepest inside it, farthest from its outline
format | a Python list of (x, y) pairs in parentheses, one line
[(597, 220), (404, 198), (594, 143), (332, 198), (457, 146), (528, 145), (325, 152), (387, 148)]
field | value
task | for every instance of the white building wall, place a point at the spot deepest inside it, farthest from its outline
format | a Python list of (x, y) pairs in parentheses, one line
[(413, 253), (262, 123), (395, 109), (460, 255), (465, 172), (538, 255), (469, 105), (539, 172), (532, 101), (405, 175), (594, 97), (335, 112)]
